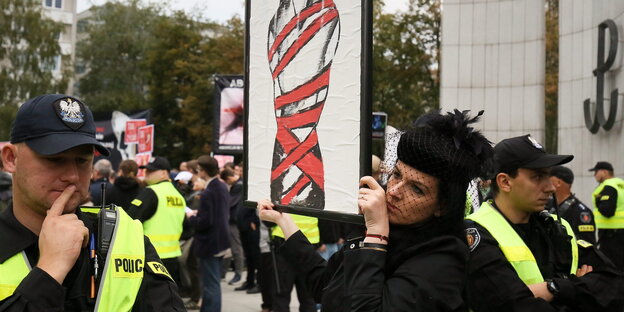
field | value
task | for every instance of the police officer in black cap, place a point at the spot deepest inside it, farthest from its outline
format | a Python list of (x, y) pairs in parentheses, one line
[(569, 207), (51, 258), (522, 257)]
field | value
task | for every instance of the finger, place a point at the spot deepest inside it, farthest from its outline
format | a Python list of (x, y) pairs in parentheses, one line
[(85, 239), (59, 204), (589, 268), (370, 182)]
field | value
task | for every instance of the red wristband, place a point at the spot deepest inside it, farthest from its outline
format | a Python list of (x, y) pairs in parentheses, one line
[(381, 237)]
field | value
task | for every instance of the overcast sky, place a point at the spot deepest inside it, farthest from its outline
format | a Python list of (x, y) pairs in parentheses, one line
[(220, 10)]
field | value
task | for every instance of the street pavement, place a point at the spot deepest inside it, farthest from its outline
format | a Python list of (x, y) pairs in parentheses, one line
[(239, 301)]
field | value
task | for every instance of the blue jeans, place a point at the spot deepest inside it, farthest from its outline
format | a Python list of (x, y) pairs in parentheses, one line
[(330, 249), (211, 276)]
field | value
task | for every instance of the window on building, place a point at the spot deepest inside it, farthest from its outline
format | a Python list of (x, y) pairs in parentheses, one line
[(53, 3)]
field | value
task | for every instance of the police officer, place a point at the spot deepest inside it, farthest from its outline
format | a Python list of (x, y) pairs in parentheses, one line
[(287, 274), (45, 240), (160, 207), (524, 259), (608, 200), (579, 216)]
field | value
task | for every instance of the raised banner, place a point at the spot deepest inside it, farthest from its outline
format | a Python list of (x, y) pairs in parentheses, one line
[(307, 98), (146, 139), (132, 130), (229, 114), (111, 132)]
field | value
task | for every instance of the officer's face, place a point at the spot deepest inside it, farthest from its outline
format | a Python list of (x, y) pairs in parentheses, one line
[(39, 180), (412, 196), (531, 189)]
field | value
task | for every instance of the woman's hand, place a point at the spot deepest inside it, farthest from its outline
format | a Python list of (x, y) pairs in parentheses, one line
[(283, 220), (267, 213), (372, 204)]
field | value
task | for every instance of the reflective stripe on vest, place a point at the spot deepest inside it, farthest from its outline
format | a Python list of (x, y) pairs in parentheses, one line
[(165, 226), (307, 225), (617, 220), (124, 268), (12, 272), (513, 247)]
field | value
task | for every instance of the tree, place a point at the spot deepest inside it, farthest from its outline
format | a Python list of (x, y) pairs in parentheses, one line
[(405, 61), (28, 48), (118, 36), (552, 74), (182, 64)]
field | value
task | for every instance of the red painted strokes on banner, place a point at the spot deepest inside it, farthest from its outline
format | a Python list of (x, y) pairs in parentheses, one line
[(303, 38), (307, 12)]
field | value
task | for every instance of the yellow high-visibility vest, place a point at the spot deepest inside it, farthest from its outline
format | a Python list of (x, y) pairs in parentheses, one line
[(617, 220), (307, 225), (165, 226), (122, 274), (513, 247)]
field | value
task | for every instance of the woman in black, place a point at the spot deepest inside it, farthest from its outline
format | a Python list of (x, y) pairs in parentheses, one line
[(126, 186), (412, 256)]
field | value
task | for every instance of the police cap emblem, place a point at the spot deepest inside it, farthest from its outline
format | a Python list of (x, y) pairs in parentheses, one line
[(71, 112), (535, 143)]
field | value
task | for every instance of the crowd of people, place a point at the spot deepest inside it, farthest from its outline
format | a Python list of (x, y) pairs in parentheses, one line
[(453, 224)]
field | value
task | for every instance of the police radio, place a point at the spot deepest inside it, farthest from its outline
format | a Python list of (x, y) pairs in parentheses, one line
[(107, 218)]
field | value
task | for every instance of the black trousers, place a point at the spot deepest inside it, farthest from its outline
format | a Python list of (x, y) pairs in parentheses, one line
[(288, 277), (265, 280), (173, 266), (611, 243), (251, 247)]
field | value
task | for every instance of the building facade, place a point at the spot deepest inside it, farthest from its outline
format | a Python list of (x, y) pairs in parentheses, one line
[(63, 11)]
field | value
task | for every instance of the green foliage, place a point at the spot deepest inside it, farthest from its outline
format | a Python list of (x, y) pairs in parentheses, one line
[(139, 58), (552, 74), (405, 61), (118, 37), (27, 43)]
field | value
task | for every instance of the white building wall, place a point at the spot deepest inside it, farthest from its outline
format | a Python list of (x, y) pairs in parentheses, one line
[(578, 49), (493, 59), (67, 40)]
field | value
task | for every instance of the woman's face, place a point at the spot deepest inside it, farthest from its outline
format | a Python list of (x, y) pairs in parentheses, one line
[(412, 196)]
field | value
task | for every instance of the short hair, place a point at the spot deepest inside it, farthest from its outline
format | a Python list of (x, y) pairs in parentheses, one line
[(229, 165), (495, 189), (208, 164), (226, 173), (129, 168), (103, 167), (192, 166)]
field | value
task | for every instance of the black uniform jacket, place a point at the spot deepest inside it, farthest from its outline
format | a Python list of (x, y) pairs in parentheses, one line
[(580, 217), (38, 291), (425, 276), (494, 285)]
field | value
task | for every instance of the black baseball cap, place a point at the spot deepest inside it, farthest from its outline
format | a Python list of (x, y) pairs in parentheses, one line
[(157, 163), (602, 165), (563, 173), (525, 152), (53, 123)]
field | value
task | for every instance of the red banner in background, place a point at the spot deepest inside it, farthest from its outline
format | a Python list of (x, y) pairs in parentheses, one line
[(132, 130), (146, 139), (142, 160)]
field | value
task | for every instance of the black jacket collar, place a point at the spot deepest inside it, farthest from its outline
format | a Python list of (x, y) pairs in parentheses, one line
[(14, 237)]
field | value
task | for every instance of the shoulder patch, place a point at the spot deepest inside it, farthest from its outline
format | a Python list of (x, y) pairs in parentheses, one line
[(472, 237), (586, 217), (158, 269), (584, 244), (604, 197), (136, 202)]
